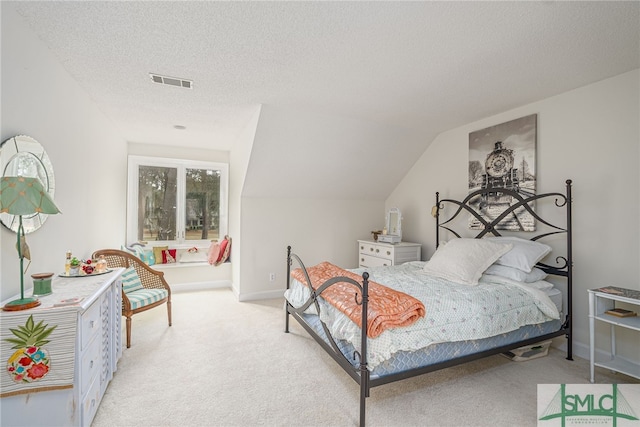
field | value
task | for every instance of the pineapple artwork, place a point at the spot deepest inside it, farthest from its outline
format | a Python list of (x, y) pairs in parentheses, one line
[(30, 362)]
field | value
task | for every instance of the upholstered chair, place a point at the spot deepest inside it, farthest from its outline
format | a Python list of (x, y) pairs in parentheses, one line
[(143, 288)]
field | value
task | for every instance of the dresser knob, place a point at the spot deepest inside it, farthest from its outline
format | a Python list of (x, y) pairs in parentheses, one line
[(371, 249), (388, 252), (361, 247), (377, 250), (361, 259)]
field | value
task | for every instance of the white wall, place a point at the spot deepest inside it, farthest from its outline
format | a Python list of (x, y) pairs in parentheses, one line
[(240, 156), (317, 229), (590, 135), (41, 100)]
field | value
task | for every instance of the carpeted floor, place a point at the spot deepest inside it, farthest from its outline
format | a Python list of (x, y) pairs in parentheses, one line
[(226, 363)]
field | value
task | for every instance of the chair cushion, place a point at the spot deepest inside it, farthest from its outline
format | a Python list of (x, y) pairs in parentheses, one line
[(130, 281), (143, 297)]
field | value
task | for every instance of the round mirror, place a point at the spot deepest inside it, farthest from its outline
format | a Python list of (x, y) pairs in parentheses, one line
[(22, 155)]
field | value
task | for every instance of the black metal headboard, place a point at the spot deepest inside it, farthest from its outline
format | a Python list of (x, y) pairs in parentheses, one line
[(518, 202)]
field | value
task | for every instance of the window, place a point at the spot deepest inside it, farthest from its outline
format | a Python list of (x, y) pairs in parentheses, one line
[(173, 201)]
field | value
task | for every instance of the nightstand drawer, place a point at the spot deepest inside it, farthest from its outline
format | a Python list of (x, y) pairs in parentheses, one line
[(372, 261), (376, 250)]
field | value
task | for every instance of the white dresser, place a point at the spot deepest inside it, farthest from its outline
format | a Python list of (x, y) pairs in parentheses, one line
[(375, 254), (81, 353)]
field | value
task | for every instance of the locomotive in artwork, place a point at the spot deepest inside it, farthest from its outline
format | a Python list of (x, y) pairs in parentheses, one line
[(500, 172)]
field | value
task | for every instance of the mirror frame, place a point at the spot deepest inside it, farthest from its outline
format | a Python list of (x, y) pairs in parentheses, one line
[(394, 222), (22, 155)]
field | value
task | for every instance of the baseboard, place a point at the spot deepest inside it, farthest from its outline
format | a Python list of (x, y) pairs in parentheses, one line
[(260, 295), (581, 350), (200, 286)]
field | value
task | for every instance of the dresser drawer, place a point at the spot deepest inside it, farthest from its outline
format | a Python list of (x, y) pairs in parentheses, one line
[(90, 365), (90, 403), (379, 251), (90, 324)]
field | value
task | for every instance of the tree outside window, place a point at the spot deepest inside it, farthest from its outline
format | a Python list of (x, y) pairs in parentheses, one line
[(176, 200)]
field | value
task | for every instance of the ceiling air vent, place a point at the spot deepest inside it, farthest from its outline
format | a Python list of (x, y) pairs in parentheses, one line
[(171, 81)]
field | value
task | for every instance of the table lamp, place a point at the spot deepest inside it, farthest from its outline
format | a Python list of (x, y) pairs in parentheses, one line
[(20, 196)]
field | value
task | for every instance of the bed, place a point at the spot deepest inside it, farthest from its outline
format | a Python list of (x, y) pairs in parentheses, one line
[(479, 295)]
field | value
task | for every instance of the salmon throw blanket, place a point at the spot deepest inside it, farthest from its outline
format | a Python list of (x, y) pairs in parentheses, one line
[(387, 307)]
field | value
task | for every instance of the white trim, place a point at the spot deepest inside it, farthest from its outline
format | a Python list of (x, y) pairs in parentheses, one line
[(200, 286), (162, 267), (135, 161), (256, 296)]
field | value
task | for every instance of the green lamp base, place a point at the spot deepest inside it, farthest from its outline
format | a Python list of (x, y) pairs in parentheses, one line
[(21, 304)]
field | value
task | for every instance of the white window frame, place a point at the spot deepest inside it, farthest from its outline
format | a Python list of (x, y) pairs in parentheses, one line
[(134, 162)]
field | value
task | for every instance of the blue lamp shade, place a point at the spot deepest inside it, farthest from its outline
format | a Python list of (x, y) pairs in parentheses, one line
[(20, 196)]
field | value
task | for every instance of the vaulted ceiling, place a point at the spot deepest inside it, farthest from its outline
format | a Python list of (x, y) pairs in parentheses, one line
[(416, 67)]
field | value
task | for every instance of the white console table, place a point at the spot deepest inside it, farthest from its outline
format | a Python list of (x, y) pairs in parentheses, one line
[(82, 350)]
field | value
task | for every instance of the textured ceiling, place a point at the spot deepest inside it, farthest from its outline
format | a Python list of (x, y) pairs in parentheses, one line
[(423, 66)]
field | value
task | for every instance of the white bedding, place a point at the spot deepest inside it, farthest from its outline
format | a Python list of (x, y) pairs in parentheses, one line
[(454, 312)]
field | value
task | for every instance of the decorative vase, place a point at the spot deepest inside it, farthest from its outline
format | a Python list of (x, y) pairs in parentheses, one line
[(41, 284)]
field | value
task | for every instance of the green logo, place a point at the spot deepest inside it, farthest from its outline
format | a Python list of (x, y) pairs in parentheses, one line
[(586, 406)]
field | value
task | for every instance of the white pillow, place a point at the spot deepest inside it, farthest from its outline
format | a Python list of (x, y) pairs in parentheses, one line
[(524, 255), (464, 260), (199, 256), (541, 284), (516, 274)]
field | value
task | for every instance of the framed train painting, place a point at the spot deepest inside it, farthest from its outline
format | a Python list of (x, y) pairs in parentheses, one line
[(503, 157)]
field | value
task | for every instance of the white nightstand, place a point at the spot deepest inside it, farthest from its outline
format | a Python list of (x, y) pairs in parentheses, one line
[(601, 300), (375, 254)]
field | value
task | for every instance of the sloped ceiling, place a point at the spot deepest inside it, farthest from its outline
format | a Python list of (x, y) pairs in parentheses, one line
[(411, 69)]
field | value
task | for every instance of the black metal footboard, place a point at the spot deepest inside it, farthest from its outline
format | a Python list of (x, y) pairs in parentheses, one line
[(360, 373)]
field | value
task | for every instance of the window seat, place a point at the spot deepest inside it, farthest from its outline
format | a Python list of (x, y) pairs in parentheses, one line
[(163, 267), (190, 268), (192, 276)]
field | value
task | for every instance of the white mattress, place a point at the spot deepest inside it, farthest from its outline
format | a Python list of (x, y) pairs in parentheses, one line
[(556, 296)]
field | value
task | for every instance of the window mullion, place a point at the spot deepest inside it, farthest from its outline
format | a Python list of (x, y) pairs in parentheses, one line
[(181, 201)]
